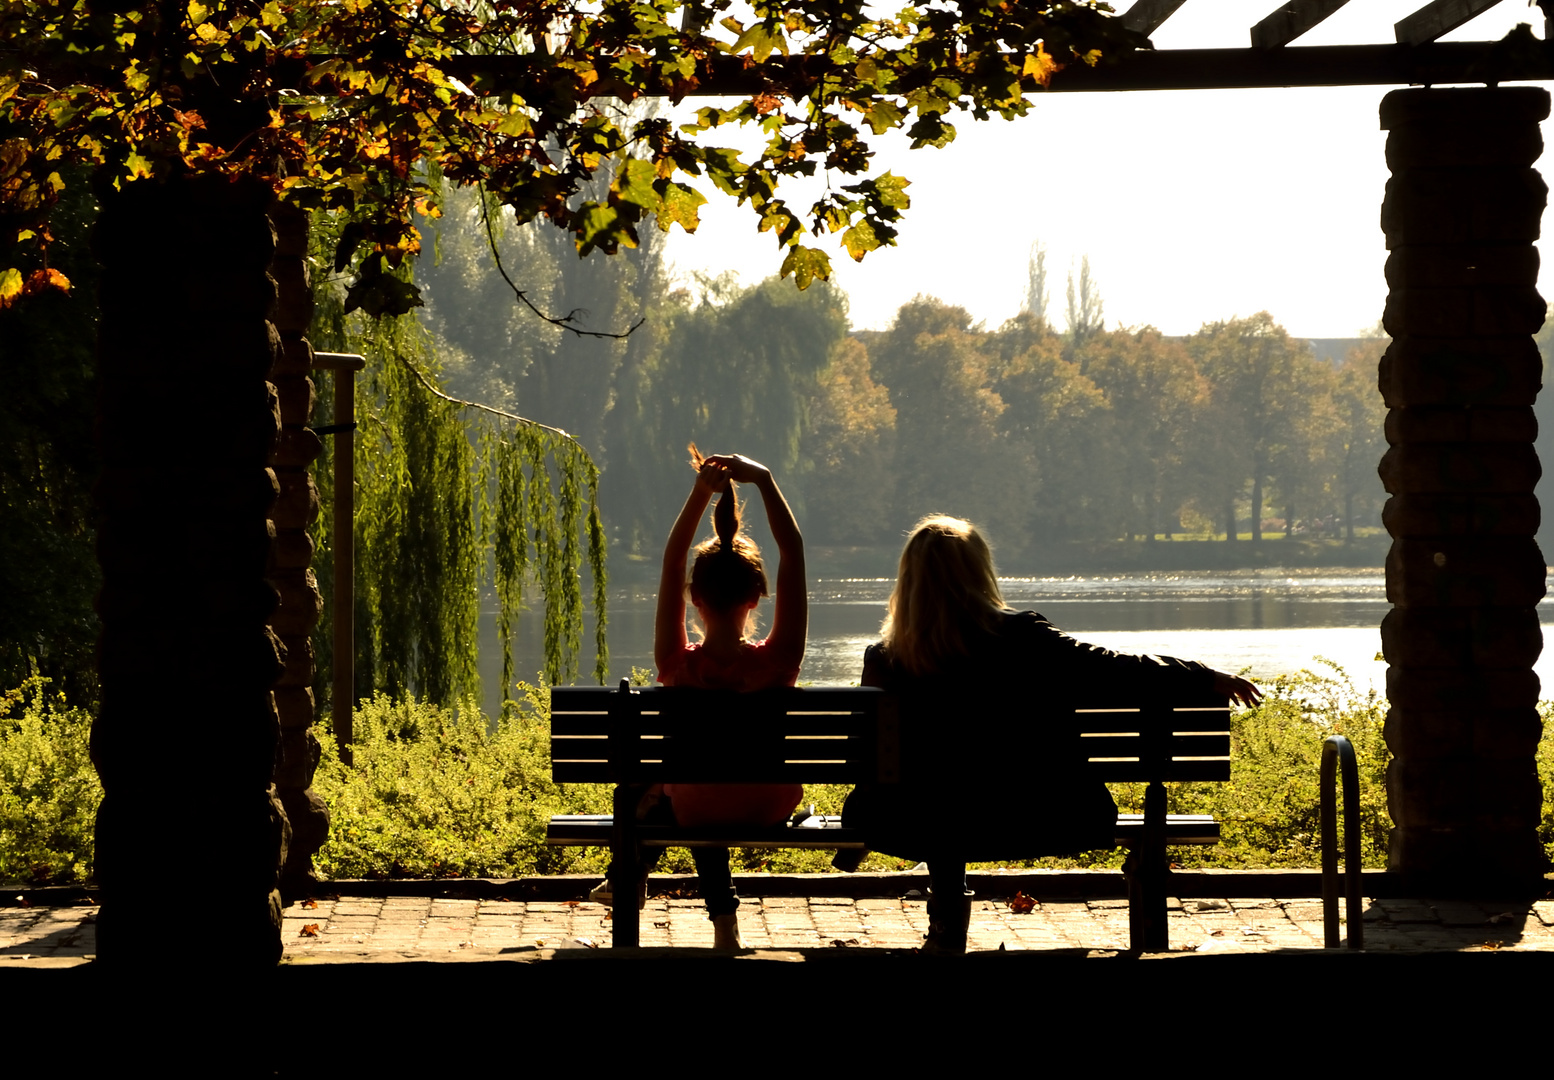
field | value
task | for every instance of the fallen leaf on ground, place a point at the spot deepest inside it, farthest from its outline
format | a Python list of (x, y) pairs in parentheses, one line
[(309, 903), (22, 901), (839, 943), (310, 930), (1021, 904)]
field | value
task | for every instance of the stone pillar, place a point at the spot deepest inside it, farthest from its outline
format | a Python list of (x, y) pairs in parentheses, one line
[(292, 552), (1464, 574), (186, 738)]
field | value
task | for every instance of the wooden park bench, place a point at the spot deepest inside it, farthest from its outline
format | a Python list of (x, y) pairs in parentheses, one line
[(851, 735)]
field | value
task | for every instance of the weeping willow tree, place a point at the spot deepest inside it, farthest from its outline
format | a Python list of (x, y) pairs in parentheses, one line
[(453, 500)]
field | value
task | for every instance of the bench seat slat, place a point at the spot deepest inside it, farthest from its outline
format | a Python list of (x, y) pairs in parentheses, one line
[(1132, 772), (593, 830), (794, 772)]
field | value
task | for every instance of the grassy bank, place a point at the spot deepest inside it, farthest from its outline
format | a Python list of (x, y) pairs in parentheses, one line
[(441, 793)]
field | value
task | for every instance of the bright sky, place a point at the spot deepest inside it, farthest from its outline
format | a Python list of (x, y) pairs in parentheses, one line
[(1191, 205)]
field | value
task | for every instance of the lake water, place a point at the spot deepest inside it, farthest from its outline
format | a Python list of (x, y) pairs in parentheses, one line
[(1270, 622)]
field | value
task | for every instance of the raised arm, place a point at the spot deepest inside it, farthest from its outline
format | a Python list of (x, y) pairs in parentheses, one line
[(790, 621), (669, 624)]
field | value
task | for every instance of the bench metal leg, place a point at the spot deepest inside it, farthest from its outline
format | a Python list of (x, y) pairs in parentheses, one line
[(1148, 877), (625, 869)]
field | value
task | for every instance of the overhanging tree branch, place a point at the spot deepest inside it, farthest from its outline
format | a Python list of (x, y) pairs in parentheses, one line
[(563, 321)]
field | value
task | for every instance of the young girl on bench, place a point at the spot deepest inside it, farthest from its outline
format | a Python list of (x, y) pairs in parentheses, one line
[(726, 583)]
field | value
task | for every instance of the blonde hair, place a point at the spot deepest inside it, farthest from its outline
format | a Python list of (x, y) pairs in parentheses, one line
[(946, 588), (727, 571)]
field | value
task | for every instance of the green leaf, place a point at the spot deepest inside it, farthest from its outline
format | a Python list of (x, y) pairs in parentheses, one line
[(860, 240), (605, 228), (723, 165), (891, 190), (761, 40), (634, 184), (681, 204), (805, 265), (778, 217), (382, 294), (515, 123), (883, 115), (931, 129)]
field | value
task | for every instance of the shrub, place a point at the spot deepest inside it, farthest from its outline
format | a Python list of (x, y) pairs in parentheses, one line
[(1269, 809), (442, 793), (438, 792), (48, 788)]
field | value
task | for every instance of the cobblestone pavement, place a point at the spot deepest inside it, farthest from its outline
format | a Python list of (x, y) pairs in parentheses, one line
[(386, 929)]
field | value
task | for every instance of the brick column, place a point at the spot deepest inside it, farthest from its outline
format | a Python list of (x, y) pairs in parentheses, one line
[(291, 555), (1464, 574), (185, 741)]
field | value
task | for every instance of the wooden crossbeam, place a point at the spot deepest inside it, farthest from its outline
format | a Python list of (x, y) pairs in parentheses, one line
[(1443, 63), (1147, 15), (1438, 18), (1290, 20)]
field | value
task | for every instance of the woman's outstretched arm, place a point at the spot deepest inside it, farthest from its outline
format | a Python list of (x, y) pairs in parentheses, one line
[(790, 621), (669, 624)]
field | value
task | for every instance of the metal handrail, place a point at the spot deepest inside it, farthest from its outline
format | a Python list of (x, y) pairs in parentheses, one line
[(1337, 751)]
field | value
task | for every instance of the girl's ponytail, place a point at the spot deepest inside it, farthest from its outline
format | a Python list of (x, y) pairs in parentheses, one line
[(725, 516), (727, 570)]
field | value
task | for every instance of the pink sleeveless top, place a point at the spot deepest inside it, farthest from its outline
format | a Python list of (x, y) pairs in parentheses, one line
[(730, 804)]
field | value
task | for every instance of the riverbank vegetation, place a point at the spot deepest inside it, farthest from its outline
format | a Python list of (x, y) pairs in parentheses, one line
[(439, 792)]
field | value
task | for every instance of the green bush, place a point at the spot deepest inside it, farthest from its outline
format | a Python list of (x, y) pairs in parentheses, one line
[(1268, 811), (443, 793), (48, 788), (437, 792)]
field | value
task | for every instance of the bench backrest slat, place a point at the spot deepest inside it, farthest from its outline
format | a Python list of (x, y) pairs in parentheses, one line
[(851, 735)]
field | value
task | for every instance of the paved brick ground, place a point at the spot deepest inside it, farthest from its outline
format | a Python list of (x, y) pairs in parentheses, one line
[(396, 928)]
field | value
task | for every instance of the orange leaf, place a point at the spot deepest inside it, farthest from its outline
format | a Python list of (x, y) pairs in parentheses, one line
[(310, 930)]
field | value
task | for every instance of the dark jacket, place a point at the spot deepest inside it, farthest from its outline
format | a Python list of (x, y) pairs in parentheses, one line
[(983, 778)]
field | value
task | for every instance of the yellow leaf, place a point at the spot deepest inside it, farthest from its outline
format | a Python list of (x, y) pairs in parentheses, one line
[(1040, 66), (10, 285)]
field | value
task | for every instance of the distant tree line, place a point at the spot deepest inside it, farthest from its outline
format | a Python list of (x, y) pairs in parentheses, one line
[(1047, 436)]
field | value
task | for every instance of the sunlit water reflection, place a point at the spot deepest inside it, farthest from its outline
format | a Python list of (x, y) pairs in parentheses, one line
[(1269, 622)]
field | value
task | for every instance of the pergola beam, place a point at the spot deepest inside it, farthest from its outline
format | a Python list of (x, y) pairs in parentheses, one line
[(1290, 21), (1147, 15), (1438, 18), (1438, 64)]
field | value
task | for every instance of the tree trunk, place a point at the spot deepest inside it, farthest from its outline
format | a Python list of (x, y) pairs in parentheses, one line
[(1257, 509)]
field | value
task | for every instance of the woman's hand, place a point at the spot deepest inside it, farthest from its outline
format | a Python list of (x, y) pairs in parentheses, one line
[(739, 468), (712, 477), (1236, 688)]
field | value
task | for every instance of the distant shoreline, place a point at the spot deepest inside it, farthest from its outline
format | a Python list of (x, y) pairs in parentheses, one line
[(1105, 557)]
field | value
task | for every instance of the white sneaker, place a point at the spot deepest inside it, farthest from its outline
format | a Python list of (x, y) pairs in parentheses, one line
[(725, 933)]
